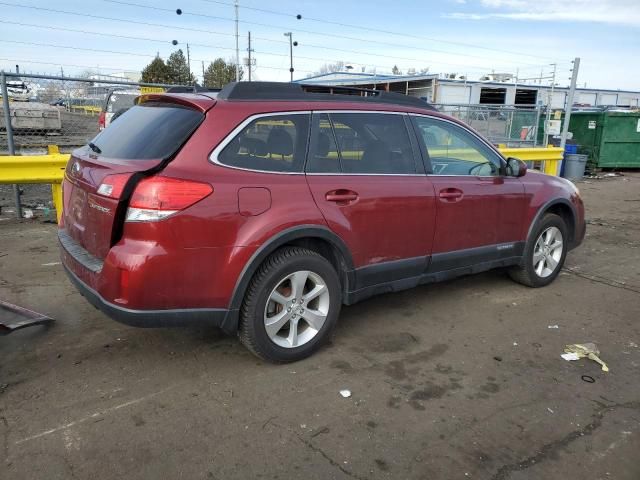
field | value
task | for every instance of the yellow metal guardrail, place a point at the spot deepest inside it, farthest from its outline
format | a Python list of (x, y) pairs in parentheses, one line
[(37, 169), (551, 157), (50, 168), (87, 109)]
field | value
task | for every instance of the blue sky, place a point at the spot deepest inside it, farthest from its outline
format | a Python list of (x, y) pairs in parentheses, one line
[(469, 37)]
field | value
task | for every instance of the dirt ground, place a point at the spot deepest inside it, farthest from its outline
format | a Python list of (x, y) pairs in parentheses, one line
[(451, 381)]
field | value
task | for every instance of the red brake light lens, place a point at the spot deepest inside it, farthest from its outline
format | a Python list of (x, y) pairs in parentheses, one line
[(112, 185), (158, 197), (102, 120)]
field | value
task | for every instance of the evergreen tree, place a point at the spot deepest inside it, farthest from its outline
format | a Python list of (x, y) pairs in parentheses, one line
[(178, 70), (219, 73), (156, 71)]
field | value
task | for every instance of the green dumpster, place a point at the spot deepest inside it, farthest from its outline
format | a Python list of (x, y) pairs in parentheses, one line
[(611, 139)]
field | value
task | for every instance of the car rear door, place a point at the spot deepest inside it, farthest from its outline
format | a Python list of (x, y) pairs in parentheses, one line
[(480, 212), (365, 176), (98, 176)]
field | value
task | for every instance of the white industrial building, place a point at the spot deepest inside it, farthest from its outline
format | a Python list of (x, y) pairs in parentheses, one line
[(448, 91)]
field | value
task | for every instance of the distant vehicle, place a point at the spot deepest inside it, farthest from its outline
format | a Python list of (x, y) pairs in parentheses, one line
[(61, 102), (18, 91), (117, 101), (263, 209)]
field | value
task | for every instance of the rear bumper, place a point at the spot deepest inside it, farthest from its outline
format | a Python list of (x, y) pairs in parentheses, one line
[(154, 318)]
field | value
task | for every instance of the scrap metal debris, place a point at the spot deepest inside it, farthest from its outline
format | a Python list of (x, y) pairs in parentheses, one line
[(13, 317), (577, 351)]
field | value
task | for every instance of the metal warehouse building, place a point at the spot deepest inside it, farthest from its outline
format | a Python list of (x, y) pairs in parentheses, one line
[(438, 90)]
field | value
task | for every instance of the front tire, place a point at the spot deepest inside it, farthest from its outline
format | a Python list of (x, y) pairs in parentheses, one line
[(291, 305), (544, 253)]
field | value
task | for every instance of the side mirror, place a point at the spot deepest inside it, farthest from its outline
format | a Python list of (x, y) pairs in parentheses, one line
[(516, 167)]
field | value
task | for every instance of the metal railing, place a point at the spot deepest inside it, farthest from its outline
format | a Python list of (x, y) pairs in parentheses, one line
[(20, 169)]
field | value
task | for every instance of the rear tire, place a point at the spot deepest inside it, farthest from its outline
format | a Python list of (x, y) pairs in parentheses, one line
[(544, 253), (291, 305)]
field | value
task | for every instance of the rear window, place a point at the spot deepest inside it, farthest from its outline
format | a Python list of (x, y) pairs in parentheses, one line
[(148, 131)]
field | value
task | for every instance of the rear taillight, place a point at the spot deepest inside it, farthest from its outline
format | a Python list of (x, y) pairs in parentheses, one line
[(156, 198), (102, 120), (112, 185)]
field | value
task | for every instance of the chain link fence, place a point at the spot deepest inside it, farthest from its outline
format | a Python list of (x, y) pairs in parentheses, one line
[(67, 112), (511, 125), (49, 110)]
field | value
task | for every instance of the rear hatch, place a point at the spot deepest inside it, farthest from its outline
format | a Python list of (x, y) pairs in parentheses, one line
[(100, 176)]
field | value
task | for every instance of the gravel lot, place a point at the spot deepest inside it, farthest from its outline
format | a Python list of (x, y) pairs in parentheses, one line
[(451, 381)]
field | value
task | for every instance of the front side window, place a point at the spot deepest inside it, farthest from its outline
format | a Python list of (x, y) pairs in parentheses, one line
[(363, 143), (454, 151), (274, 143)]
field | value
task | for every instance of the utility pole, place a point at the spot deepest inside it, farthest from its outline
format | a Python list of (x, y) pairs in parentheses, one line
[(203, 74), (291, 44), (249, 50), (235, 5), (188, 65), (547, 116), (572, 91)]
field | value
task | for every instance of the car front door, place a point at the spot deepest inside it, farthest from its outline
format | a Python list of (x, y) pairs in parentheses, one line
[(480, 211), (366, 177)]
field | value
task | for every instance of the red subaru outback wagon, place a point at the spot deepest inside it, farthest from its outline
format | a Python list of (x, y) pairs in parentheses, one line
[(264, 208)]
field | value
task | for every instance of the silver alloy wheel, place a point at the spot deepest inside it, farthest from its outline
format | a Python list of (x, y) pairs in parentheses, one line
[(296, 309), (547, 252)]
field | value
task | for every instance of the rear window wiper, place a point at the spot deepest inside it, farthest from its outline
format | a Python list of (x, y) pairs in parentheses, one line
[(94, 147)]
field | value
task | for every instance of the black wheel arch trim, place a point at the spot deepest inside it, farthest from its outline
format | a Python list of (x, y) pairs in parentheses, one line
[(545, 208), (267, 248)]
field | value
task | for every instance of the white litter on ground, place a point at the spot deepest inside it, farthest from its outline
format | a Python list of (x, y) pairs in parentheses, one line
[(345, 393), (570, 356)]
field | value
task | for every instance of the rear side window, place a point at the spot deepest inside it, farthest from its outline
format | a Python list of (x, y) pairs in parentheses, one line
[(273, 143), (366, 143), (149, 131)]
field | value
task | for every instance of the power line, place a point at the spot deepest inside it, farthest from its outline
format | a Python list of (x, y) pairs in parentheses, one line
[(358, 52), (99, 17), (324, 34), (77, 48), (377, 30), (91, 67)]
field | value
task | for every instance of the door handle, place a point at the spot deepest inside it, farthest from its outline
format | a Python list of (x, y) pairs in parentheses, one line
[(341, 196), (451, 194)]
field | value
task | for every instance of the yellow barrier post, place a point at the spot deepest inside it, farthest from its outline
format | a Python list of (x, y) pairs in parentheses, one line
[(19, 169)]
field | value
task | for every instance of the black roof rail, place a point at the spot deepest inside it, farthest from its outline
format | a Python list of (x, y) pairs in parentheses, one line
[(190, 89), (315, 93)]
